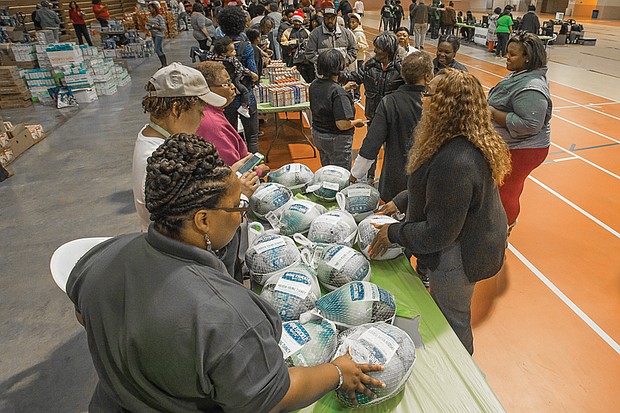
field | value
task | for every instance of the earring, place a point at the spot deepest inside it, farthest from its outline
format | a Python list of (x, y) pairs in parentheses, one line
[(208, 242)]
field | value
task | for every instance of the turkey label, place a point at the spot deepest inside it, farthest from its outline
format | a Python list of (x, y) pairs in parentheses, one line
[(363, 291), (294, 337), (355, 192), (299, 207), (269, 245), (269, 190), (294, 283), (331, 185), (331, 219), (294, 167), (339, 259), (386, 345)]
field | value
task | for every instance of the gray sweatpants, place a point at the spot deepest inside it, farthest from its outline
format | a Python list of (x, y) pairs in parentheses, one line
[(452, 291)]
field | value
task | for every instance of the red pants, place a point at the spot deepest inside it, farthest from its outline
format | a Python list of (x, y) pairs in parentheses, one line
[(524, 161)]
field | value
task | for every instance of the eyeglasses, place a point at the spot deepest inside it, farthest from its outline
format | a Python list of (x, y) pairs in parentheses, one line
[(243, 208), (229, 84)]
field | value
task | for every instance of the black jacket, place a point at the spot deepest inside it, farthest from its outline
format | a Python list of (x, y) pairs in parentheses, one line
[(377, 82), (453, 197), (530, 23), (395, 118)]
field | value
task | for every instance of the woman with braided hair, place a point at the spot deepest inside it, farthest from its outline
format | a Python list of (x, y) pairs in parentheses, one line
[(455, 221), (168, 329)]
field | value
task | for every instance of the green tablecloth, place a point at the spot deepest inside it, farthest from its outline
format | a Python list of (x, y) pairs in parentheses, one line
[(445, 378), (267, 108)]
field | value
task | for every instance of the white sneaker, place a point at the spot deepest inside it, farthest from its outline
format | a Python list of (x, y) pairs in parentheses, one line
[(243, 111)]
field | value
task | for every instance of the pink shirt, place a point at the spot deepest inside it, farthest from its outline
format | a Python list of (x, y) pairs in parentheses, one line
[(216, 129)]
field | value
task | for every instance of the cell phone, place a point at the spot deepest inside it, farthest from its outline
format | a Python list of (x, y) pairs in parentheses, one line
[(251, 163)]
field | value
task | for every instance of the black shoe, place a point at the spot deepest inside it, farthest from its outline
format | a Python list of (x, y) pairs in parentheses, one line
[(422, 272)]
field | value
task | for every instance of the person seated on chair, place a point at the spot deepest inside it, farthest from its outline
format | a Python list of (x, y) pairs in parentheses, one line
[(168, 329)]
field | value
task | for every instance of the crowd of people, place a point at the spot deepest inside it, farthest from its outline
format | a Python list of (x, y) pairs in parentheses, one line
[(176, 288)]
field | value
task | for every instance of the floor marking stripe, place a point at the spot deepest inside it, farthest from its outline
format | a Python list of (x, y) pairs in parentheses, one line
[(578, 208), (598, 330), (561, 159), (602, 135), (586, 160)]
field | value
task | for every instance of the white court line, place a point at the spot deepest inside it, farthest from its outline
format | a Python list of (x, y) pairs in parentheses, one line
[(579, 105), (578, 208), (570, 158), (586, 160), (598, 330), (586, 128)]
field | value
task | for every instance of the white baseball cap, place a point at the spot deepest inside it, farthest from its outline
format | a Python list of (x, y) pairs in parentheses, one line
[(178, 80)]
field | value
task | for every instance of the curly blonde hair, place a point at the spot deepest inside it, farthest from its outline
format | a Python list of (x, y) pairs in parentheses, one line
[(459, 108)]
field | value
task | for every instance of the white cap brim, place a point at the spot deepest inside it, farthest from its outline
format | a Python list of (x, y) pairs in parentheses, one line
[(213, 99)]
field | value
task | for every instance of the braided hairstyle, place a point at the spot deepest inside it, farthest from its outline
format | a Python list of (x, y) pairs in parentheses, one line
[(185, 174)]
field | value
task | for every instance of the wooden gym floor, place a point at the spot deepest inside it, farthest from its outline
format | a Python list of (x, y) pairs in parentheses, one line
[(547, 327)]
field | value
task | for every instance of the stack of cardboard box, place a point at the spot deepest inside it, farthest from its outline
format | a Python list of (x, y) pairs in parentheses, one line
[(13, 90), (16, 139)]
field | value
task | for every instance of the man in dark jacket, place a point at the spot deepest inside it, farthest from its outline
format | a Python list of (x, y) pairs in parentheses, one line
[(530, 22), (411, 7), (396, 116), (345, 9)]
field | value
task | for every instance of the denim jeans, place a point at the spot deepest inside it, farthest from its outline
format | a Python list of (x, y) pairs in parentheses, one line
[(158, 42), (452, 292), (333, 149)]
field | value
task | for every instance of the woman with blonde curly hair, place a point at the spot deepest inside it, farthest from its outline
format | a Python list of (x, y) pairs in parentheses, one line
[(455, 222)]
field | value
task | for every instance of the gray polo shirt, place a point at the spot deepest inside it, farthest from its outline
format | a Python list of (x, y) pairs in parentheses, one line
[(169, 330)]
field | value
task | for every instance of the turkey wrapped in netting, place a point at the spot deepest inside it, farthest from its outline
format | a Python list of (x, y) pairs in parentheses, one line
[(292, 292), (357, 303), (328, 181), (295, 217), (337, 227), (269, 254), (337, 265), (294, 176), (269, 197), (308, 344), (359, 199), (383, 344), (366, 233)]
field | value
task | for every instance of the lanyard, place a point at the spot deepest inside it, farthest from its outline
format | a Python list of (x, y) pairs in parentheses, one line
[(159, 129)]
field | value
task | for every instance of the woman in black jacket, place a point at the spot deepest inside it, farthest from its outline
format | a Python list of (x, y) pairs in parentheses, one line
[(455, 220)]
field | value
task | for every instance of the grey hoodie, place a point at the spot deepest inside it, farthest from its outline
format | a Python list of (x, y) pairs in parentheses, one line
[(48, 19)]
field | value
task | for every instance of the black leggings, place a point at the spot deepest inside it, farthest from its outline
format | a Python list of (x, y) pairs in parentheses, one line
[(82, 33), (250, 125), (502, 42)]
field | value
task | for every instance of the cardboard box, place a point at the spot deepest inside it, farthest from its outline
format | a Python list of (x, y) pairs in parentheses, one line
[(36, 132), (6, 156), (20, 139)]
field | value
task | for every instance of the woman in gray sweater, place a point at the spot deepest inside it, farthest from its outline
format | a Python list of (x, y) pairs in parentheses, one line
[(455, 222), (521, 108)]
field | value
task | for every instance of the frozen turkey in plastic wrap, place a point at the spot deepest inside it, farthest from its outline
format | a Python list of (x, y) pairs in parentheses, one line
[(366, 234), (360, 199), (308, 344), (269, 254), (337, 265), (269, 197), (328, 181), (383, 344), (295, 217), (292, 292), (356, 303), (294, 176), (338, 227)]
